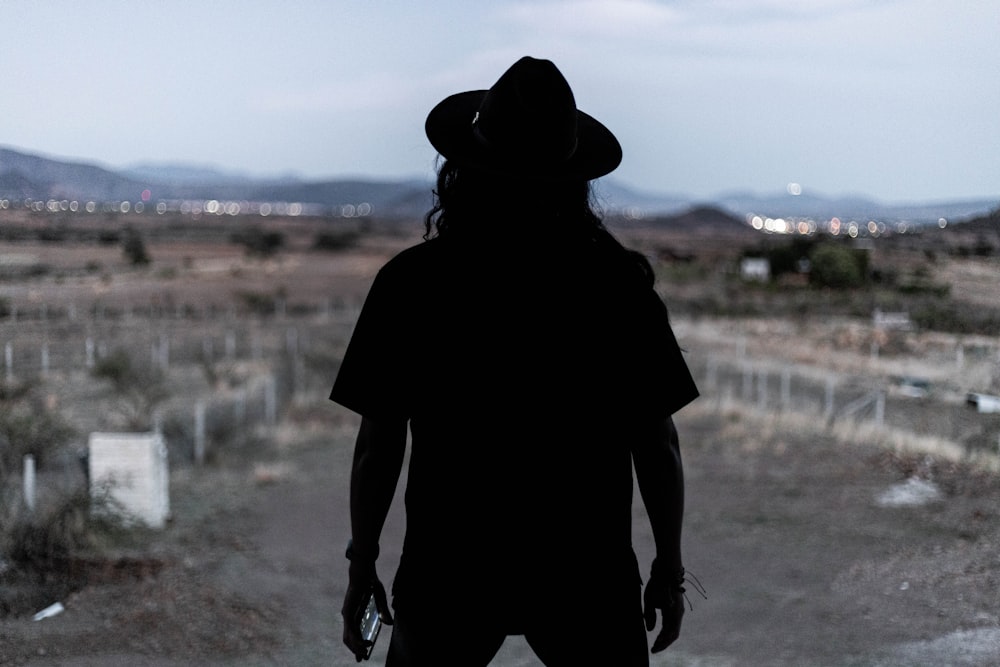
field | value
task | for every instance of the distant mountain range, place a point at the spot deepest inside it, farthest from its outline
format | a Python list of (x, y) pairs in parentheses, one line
[(26, 176)]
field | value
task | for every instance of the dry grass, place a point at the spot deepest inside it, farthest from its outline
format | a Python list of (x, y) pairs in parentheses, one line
[(745, 427)]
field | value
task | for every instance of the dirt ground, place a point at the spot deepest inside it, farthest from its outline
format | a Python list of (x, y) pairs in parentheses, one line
[(802, 562), (815, 547)]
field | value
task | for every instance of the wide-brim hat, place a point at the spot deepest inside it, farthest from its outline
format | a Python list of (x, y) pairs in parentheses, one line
[(527, 124)]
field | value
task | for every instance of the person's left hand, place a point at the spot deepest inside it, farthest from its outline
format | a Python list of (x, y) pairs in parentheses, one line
[(666, 594), (363, 580)]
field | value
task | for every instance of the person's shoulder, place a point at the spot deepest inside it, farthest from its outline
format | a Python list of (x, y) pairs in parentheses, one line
[(414, 267), (415, 258)]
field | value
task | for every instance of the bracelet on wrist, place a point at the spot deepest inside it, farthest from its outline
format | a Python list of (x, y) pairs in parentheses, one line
[(676, 575)]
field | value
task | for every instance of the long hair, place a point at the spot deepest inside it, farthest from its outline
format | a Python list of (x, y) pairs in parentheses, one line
[(469, 202)]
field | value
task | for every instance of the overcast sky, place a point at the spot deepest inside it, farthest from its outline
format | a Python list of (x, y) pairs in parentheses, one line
[(895, 99)]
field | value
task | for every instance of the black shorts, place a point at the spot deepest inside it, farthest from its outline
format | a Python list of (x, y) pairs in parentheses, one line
[(587, 630)]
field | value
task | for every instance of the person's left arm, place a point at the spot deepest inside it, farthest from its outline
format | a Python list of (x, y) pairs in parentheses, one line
[(378, 462)]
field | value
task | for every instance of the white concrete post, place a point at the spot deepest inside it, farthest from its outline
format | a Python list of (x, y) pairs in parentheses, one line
[(240, 408), (761, 389), (711, 373), (747, 382), (164, 356), (230, 345), (199, 432), (89, 345), (828, 408), (786, 387), (880, 408), (271, 401), (8, 360), (45, 359), (29, 482)]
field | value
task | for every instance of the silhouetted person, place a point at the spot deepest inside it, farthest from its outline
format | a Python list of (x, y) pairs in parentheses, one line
[(534, 364)]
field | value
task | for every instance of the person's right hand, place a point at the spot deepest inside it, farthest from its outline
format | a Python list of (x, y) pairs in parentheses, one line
[(363, 580), (664, 592)]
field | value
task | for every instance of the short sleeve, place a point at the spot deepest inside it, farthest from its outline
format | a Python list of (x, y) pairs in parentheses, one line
[(373, 374), (674, 387)]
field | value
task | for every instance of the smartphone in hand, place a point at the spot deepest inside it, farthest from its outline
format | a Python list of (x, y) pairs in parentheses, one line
[(371, 623)]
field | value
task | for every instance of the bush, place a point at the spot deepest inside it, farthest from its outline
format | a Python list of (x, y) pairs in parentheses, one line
[(38, 542), (27, 426), (259, 242), (141, 388), (134, 249), (837, 266), (332, 242)]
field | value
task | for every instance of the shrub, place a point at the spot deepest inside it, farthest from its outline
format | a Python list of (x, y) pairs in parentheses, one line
[(27, 426), (259, 242), (332, 242), (38, 542), (837, 266), (109, 237), (141, 388), (134, 249)]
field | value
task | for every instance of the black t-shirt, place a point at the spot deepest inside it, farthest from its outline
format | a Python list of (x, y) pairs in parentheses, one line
[(521, 372)]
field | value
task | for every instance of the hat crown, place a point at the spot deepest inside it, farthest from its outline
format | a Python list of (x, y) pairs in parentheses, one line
[(527, 124), (530, 110)]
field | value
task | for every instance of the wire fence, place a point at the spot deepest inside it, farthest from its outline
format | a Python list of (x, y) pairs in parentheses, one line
[(769, 386)]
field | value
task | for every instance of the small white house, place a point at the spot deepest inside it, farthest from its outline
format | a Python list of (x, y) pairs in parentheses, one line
[(755, 268), (132, 469), (984, 403)]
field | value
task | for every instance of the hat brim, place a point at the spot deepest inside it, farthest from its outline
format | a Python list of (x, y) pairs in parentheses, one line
[(449, 128)]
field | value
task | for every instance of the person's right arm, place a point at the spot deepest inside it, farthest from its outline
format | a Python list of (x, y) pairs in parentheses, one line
[(657, 459)]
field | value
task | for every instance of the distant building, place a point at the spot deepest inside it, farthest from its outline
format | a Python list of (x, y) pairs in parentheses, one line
[(891, 321), (984, 403), (755, 269)]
